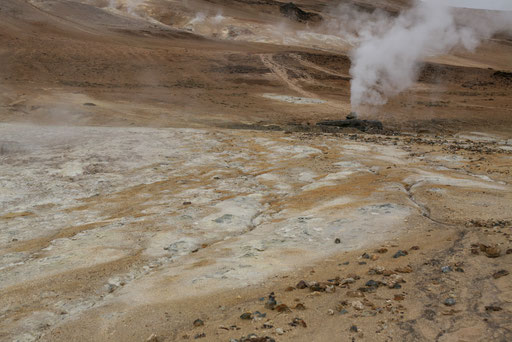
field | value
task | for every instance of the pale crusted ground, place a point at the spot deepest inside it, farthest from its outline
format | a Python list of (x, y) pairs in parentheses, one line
[(106, 221)]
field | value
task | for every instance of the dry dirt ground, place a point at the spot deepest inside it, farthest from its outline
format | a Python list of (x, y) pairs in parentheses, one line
[(162, 179)]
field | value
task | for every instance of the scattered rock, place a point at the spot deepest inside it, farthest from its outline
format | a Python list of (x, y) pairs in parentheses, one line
[(372, 283), (500, 273), (348, 281), (289, 289), (198, 336), (330, 289), (352, 275), (493, 308), (330, 312), (374, 257), (301, 284), (366, 302), (415, 248), (198, 323), (298, 322), (300, 306), (490, 251), (394, 281), (388, 273), (355, 294), (449, 301), (317, 287), (493, 252), (89, 104), (406, 269), (400, 253), (187, 203), (399, 297), (259, 314), (450, 312), (509, 251), (446, 269), (393, 284), (382, 250), (365, 256), (376, 270), (337, 241), (283, 308), (279, 331), (246, 316), (341, 305), (357, 305), (271, 302), (354, 329), (255, 338)]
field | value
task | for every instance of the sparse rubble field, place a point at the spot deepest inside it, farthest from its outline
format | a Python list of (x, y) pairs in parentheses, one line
[(113, 222)]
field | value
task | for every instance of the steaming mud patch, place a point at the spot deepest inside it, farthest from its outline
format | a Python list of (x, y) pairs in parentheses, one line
[(293, 99)]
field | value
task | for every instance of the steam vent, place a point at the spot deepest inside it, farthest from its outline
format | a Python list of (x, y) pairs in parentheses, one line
[(255, 171)]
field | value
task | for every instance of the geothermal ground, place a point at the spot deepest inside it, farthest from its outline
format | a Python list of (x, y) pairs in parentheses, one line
[(162, 178)]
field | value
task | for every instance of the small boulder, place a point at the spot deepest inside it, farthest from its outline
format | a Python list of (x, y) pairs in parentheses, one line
[(246, 316), (283, 308), (500, 273), (406, 269), (400, 253), (301, 284), (300, 306), (450, 301), (357, 305)]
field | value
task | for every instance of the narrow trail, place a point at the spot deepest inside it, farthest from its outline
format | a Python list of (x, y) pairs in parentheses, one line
[(281, 72)]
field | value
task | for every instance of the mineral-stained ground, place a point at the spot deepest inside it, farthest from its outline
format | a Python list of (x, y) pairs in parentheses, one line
[(162, 178)]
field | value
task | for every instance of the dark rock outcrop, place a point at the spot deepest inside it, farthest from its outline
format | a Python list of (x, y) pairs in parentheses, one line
[(292, 11), (362, 125)]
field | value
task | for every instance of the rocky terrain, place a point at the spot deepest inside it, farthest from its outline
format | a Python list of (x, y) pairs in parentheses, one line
[(163, 178)]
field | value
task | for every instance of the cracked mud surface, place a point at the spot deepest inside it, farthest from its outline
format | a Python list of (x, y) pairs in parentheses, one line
[(158, 167)]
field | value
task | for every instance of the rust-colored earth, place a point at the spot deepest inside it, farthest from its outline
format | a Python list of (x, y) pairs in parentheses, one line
[(160, 163)]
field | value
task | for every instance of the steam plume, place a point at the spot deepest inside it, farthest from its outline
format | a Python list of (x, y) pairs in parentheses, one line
[(386, 63)]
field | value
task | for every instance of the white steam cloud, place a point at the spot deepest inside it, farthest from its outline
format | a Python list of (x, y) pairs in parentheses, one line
[(387, 62), (129, 6)]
